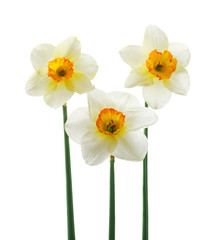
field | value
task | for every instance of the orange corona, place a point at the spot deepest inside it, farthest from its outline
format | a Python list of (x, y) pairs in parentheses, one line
[(60, 69), (161, 65), (110, 121)]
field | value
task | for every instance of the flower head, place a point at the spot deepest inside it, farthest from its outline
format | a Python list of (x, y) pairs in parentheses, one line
[(157, 66), (60, 71), (110, 126)]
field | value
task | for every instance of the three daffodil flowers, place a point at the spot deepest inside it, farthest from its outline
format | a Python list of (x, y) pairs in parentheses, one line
[(112, 124)]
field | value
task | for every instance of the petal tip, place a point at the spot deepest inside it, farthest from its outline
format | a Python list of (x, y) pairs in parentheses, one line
[(127, 85)]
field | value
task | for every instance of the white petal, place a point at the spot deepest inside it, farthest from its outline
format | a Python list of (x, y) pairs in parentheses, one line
[(81, 83), (97, 147), (69, 48), (78, 124), (131, 146), (123, 101), (133, 55), (86, 65), (41, 55), (139, 118), (179, 82), (36, 84), (139, 76), (157, 95), (97, 100), (154, 38), (181, 53), (59, 97)]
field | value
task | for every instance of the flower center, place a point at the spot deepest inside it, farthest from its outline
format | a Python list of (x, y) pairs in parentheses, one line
[(60, 69), (110, 121), (161, 65)]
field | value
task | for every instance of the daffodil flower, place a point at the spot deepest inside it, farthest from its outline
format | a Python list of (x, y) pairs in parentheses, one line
[(110, 126), (157, 66), (60, 71)]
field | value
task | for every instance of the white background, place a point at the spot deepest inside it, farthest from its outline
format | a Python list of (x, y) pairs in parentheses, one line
[(183, 156)]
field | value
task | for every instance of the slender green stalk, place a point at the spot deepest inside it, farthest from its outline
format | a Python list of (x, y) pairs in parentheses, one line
[(112, 201), (69, 193), (145, 193)]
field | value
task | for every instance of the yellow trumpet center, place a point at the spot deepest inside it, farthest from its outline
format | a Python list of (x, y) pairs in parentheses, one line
[(60, 69), (110, 121), (161, 65)]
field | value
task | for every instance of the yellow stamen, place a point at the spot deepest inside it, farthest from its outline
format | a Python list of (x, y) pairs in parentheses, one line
[(110, 121), (60, 69), (161, 65)]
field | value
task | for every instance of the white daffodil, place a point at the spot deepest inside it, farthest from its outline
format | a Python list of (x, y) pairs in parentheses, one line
[(110, 126), (157, 66), (60, 71)]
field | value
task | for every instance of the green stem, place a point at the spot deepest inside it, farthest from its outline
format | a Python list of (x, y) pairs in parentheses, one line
[(145, 192), (112, 201), (69, 193)]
